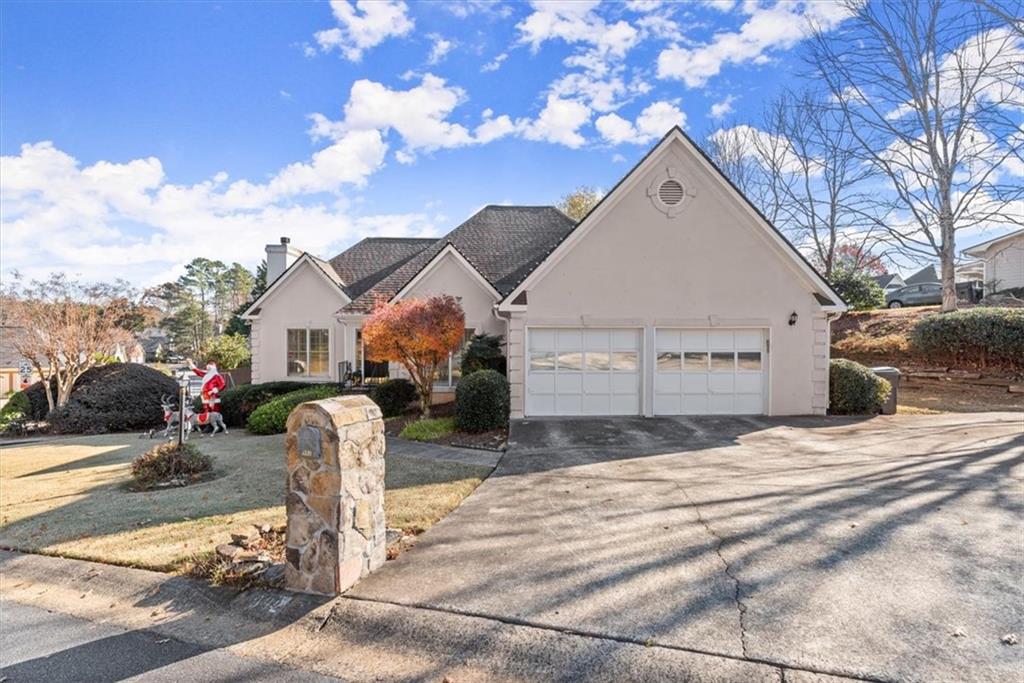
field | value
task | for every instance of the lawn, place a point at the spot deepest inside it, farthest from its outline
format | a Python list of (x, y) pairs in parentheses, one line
[(428, 430), (70, 497)]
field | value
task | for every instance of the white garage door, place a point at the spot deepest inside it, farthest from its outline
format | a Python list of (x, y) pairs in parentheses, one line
[(583, 371), (709, 372)]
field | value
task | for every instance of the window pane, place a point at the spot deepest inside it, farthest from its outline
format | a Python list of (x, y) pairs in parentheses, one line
[(467, 336), (749, 360), (297, 362), (442, 373), (624, 361), (695, 360), (319, 353), (570, 360), (597, 360), (670, 361), (722, 360), (542, 360)]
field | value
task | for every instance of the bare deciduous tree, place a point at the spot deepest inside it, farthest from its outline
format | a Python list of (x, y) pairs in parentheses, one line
[(66, 328), (932, 95), (579, 202)]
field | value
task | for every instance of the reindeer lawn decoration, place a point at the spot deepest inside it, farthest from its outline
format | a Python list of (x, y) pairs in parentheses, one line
[(193, 421)]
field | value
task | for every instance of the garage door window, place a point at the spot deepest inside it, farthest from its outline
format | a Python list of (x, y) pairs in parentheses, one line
[(749, 360), (669, 361), (625, 361), (695, 360), (722, 361), (542, 361)]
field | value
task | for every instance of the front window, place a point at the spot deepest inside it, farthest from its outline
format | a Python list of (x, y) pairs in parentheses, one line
[(449, 373), (308, 352)]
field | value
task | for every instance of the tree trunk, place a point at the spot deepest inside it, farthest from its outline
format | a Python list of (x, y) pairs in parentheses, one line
[(946, 257), (425, 403)]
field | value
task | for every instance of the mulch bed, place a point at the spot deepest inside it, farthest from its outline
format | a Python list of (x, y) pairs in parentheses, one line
[(493, 440)]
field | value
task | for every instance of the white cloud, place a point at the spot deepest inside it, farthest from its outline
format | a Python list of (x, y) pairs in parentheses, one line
[(559, 122), (652, 123), (128, 214), (495, 63), (777, 27), (720, 5), (364, 25), (494, 128), (576, 22), (440, 48), (722, 108)]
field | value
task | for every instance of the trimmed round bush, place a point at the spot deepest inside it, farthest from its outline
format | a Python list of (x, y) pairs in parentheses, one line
[(15, 411), (167, 461), (393, 396), (980, 336), (272, 417), (237, 403), (855, 390), (114, 398), (482, 402)]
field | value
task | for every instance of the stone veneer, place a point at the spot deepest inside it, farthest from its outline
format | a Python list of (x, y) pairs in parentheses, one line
[(336, 531)]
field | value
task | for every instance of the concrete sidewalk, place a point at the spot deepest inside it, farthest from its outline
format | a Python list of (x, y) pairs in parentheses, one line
[(356, 640)]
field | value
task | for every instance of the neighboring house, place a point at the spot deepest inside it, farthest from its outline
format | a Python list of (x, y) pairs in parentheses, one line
[(889, 282), (970, 271), (16, 372), (674, 295), (1002, 261), (924, 276), (155, 344)]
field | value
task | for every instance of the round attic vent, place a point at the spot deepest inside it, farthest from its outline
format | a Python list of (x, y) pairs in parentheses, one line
[(671, 192)]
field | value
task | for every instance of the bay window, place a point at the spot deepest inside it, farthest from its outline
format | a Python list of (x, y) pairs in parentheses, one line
[(309, 352)]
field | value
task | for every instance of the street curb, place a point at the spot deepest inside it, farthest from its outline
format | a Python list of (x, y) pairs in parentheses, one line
[(350, 638)]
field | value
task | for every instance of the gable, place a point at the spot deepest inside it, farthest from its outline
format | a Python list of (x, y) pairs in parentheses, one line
[(715, 226), (303, 286)]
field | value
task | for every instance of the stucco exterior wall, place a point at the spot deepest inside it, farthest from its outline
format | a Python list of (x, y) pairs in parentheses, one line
[(710, 265), (1004, 264), (306, 299), (449, 276)]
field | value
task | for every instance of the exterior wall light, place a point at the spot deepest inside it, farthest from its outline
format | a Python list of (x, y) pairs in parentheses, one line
[(793, 318)]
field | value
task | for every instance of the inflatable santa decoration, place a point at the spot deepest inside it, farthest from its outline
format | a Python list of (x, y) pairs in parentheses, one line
[(213, 384)]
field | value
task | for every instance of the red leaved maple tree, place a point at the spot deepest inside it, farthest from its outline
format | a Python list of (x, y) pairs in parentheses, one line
[(419, 334)]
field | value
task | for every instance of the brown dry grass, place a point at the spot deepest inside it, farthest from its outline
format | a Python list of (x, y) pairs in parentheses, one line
[(956, 397), (69, 497)]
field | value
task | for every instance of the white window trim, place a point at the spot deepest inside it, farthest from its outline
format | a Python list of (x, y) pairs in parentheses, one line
[(330, 351)]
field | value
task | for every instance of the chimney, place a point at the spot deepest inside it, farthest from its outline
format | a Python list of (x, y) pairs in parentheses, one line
[(280, 257)]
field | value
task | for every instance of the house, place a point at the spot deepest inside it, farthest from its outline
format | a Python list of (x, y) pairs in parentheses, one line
[(889, 282), (674, 295), (155, 344), (1002, 261), (16, 371), (924, 276)]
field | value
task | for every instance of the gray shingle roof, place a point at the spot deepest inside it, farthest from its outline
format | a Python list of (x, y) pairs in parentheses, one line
[(505, 243), (362, 265)]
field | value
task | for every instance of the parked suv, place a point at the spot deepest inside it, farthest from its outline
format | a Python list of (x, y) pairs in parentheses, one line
[(915, 295)]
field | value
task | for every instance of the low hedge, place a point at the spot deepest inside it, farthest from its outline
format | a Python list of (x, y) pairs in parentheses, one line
[(238, 403), (482, 402), (854, 389), (15, 411), (167, 461), (114, 398), (272, 417), (982, 336), (393, 396)]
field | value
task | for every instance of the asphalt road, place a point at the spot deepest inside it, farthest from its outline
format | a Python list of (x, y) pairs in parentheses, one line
[(39, 645)]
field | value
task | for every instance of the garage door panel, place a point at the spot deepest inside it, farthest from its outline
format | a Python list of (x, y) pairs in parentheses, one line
[(748, 404), (720, 404), (625, 404), (721, 383), (570, 340), (720, 340), (596, 340), (628, 383), (541, 404), (668, 404), (694, 404), (596, 404), (748, 340), (569, 383), (542, 340), (594, 383), (695, 384), (691, 340), (668, 383), (626, 340), (748, 383), (569, 404)]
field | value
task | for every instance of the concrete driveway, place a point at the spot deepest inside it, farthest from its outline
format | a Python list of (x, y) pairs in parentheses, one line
[(887, 549)]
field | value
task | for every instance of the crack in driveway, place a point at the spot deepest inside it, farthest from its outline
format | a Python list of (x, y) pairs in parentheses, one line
[(741, 608)]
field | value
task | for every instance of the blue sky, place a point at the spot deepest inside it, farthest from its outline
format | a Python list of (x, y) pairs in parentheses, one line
[(137, 136)]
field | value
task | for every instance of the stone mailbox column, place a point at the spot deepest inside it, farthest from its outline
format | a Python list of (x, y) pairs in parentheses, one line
[(336, 532)]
